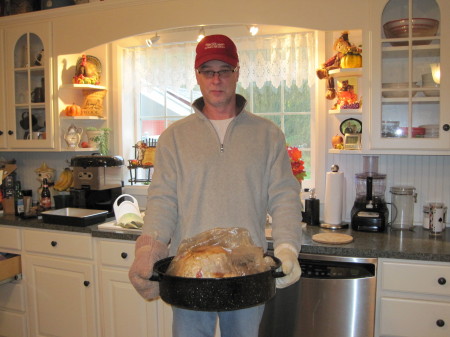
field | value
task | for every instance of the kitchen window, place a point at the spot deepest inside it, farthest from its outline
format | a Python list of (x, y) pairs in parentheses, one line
[(277, 76)]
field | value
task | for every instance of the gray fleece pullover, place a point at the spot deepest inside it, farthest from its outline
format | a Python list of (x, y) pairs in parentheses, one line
[(199, 184)]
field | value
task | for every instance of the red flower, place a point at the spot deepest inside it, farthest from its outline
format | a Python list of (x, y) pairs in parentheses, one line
[(297, 165)]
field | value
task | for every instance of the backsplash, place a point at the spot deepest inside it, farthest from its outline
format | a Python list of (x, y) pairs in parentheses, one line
[(430, 175)]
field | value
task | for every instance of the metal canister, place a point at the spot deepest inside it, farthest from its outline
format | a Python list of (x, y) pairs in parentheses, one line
[(437, 218)]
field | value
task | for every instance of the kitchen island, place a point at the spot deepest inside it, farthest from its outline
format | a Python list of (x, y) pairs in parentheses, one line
[(410, 245)]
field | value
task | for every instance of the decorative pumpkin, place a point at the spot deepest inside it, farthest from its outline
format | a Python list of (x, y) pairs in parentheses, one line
[(336, 141), (73, 110), (351, 60)]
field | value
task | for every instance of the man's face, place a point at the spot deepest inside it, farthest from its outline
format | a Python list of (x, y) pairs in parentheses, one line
[(218, 90)]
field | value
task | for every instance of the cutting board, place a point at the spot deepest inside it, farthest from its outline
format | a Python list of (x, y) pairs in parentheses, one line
[(332, 238)]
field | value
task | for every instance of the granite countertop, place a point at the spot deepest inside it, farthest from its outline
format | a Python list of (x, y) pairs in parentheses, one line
[(413, 245)]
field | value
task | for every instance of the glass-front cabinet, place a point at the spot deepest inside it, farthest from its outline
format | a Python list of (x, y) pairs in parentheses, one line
[(28, 114), (409, 104), (2, 98)]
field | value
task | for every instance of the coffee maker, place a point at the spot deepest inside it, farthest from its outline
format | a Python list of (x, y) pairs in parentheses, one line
[(370, 212), (97, 181)]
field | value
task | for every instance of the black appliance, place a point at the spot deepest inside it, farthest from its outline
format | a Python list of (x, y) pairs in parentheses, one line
[(97, 181), (369, 212)]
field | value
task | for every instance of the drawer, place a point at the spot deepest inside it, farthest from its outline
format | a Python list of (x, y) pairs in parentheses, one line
[(416, 278), (9, 267), (58, 243), (10, 238), (414, 318), (118, 254)]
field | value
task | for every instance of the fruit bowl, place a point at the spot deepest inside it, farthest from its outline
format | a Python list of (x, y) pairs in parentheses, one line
[(421, 27)]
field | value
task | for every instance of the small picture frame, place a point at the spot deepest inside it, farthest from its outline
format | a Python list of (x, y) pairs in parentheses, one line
[(352, 141)]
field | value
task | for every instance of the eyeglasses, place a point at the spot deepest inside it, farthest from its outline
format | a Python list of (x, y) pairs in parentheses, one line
[(226, 73)]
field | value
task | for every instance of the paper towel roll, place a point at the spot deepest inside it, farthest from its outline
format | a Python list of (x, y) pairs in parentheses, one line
[(334, 196)]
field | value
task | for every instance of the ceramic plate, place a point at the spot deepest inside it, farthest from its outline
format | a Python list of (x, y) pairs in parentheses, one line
[(351, 125)]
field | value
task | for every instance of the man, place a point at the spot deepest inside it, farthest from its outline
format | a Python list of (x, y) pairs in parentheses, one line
[(219, 167)]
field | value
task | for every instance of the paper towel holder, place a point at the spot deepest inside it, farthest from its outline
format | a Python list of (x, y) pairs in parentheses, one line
[(334, 169)]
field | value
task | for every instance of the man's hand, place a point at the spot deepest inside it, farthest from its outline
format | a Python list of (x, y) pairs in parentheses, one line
[(288, 256), (147, 252)]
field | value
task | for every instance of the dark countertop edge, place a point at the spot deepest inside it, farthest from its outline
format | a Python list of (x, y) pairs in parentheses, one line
[(354, 252), (307, 246)]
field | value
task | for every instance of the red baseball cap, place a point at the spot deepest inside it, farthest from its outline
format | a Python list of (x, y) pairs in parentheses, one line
[(216, 47)]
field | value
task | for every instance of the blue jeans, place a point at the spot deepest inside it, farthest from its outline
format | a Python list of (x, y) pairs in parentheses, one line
[(237, 323)]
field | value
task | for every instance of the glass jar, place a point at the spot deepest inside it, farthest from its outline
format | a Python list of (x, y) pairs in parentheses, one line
[(402, 213)]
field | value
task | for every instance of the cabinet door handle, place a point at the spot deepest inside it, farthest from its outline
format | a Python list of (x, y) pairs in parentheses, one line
[(86, 283), (440, 323), (124, 255), (1, 132), (53, 243), (442, 281), (446, 127), (10, 132)]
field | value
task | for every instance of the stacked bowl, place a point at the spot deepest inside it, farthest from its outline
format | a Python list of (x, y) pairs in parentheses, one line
[(421, 27), (431, 130)]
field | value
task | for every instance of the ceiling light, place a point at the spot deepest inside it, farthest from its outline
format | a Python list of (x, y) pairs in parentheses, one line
[(150, 42), (253, 30), (201, 35)]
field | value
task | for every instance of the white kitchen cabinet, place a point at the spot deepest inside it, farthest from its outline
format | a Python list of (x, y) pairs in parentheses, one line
[(409, 109), (62, 289), (2, 97), (413, 298), (13, 319), (124, 311), (29, 119)]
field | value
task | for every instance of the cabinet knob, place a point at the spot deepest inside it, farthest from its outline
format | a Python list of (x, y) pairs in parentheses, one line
[(446, 127), (440, 323), (86, 283), (442, 281), (10, 132), (53, 243), (124, 255), (1, 132)]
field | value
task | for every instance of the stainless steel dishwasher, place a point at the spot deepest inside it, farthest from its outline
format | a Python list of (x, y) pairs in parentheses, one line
[(334, 297)]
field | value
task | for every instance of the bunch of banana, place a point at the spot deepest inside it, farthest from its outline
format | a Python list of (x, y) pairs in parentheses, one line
[(65, 180)]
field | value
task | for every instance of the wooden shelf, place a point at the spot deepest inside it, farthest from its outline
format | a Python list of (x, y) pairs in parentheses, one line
[(83, 117), (346, 72), (345, 111), (83, 86)]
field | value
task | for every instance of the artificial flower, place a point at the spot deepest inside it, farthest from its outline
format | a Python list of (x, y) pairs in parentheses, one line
[(297, 164)]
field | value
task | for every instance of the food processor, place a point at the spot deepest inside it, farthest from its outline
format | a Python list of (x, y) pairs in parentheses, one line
[(370, 212)]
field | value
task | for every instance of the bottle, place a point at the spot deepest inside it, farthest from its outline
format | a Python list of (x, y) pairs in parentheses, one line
[(46, 200), (20, 209)]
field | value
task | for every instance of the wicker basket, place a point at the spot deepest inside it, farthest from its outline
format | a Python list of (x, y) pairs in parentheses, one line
[(93, 102)]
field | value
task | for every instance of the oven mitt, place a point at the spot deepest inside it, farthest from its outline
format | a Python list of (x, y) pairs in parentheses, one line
[(147, 251), (288, 256)]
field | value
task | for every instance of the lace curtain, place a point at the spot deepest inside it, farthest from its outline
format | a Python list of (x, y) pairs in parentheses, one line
[(262, 59)]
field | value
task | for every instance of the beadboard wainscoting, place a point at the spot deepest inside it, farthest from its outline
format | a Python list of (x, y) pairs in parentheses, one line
[(430, 175)]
